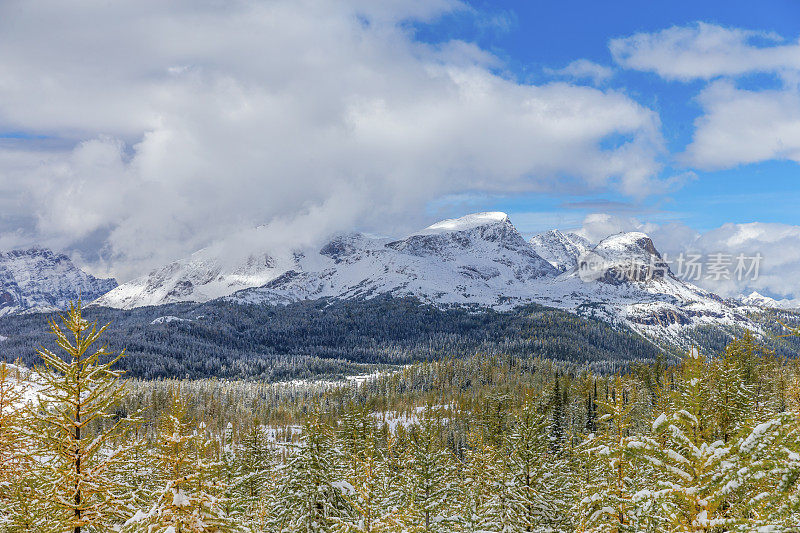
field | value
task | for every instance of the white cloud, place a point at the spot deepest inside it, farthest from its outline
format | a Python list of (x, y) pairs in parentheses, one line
[(705, 51), (188, 122), (779, 244), (583, 69), (737, 125), (741, 126)]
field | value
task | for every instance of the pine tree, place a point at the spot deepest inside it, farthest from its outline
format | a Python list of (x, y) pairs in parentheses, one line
[(82, 454)]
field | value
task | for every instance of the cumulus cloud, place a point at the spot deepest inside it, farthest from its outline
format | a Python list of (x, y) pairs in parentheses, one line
[(182, 124), (776, 244), (737, 125), (741, 126), (583, 69), (705, 51)]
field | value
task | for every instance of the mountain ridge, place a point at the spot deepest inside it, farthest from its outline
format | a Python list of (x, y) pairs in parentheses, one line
[(38, 279), (480, 260)]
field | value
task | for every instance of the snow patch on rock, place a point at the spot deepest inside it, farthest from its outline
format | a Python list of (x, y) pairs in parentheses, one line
[(167, 319), (41, 280)]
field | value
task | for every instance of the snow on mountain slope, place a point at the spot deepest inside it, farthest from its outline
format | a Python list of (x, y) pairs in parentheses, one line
[(199, 278), (41, 280), (561, 250), (624, 278), (483, 261), (476, 260), (466, 223), (479, 260), (756, 299)]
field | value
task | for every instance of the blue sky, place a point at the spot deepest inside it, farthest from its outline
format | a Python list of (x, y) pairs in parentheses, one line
[(532, 37)]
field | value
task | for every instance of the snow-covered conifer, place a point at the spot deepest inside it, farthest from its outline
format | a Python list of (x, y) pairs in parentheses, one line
[(190, 497), (81, 439)]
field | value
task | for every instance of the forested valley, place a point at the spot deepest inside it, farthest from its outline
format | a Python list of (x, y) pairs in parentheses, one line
[(481, 443), (332, 338)]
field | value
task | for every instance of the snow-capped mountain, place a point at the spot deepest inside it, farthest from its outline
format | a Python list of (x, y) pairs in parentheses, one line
[(624, 278), (478, 260), (755, 299), (41, 280), (203, 276), (561, 250), (482, 260)]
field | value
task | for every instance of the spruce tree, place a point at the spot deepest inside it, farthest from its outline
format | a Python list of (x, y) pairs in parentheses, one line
[(557, 432)]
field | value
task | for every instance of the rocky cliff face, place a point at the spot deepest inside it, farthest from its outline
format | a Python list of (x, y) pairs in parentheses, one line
[(41, 280), (479, 260)]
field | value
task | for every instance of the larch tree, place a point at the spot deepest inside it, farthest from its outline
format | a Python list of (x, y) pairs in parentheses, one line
[(704, 484), (474, 487), (81, 437), (189, 500), (429, 476), (366, 474), (497, 513), (19, 483), (309, 501), (539, 497), (254, 467), (607, 501)]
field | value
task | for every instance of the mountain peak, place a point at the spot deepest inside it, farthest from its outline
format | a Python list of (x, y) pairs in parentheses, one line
[(629, 256), (467, 222), (559, 249), (757, 299), (631, 242), (40, 279)]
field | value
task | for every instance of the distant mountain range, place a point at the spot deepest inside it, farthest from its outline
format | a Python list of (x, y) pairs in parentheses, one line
[(477, 261), (41, 280), (759, 300)]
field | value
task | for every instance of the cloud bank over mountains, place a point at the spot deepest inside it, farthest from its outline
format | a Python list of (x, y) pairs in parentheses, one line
[(137, 133), (179, 124)]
